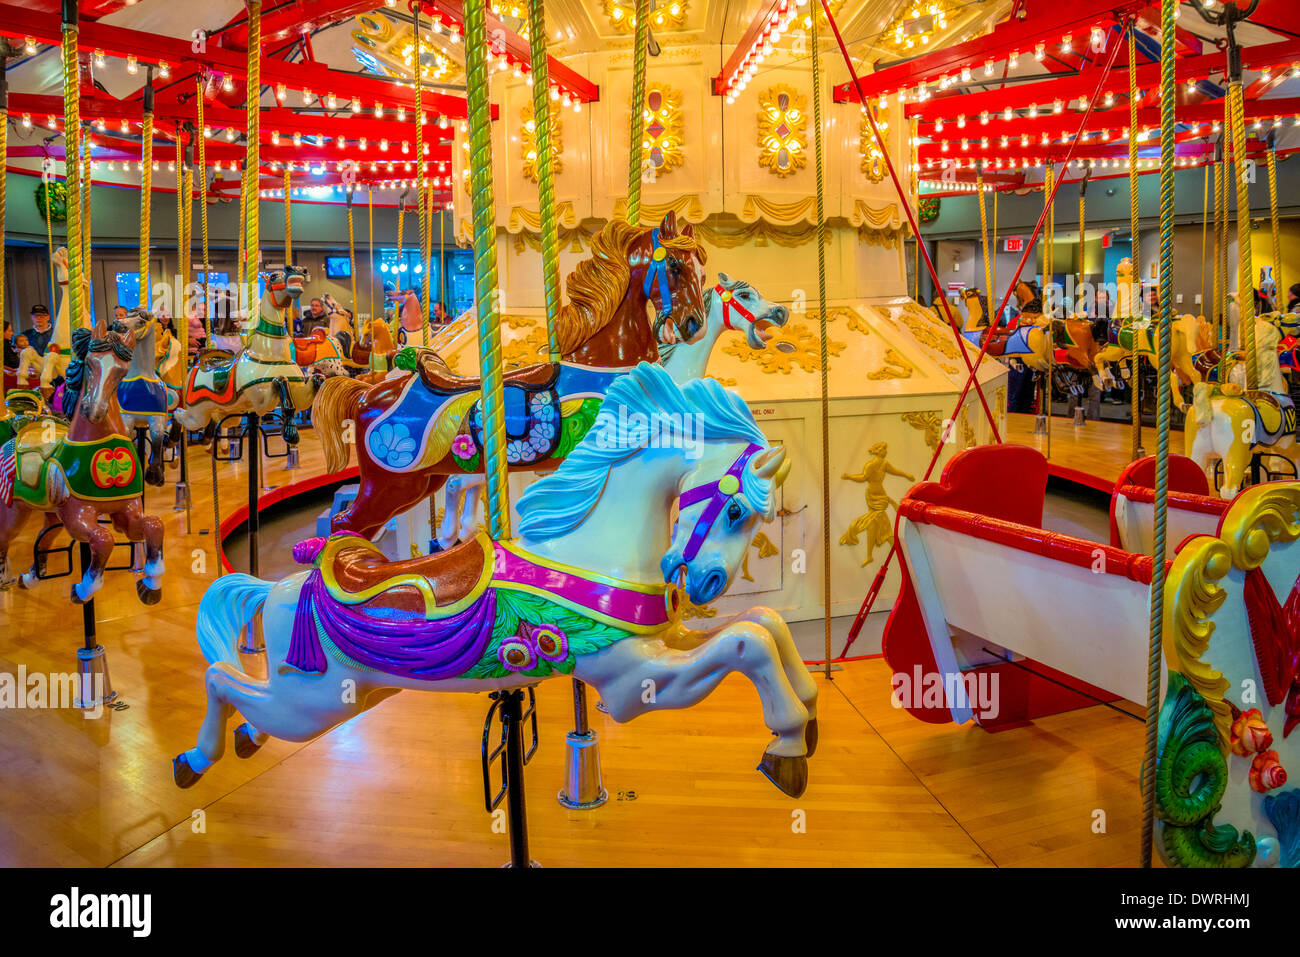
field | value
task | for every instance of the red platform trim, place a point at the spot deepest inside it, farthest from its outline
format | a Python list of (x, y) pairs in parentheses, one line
[(1053, 545)]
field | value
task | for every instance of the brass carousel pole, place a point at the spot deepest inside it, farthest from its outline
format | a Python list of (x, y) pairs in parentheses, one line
[(1135, 288), (1163, 413), (825, 357)]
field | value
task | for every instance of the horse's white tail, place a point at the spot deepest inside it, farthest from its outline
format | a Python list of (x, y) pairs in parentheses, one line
[(227, 606)]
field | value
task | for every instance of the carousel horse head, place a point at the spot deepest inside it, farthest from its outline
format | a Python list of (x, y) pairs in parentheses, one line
[(674, 279), (138, 321), (100, 362), (1029, 298), (745, 310), (284, 283), (977, 307), (702, 438), (722, 502)]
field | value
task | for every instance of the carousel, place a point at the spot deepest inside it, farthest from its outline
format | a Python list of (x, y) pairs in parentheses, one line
[(455, 347)]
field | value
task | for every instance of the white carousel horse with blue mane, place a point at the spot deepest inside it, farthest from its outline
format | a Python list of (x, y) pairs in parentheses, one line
[(259, 378), (732, 305), (1229, 423), (581, 591)]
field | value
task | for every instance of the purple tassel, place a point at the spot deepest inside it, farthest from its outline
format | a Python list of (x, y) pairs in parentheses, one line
[(305, 652), (305, 552)]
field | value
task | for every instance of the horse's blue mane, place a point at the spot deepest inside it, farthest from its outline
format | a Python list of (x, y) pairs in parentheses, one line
[(560, 502)]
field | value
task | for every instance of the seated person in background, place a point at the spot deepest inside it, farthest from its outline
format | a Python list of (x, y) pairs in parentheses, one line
[(1293, 298), (439, 317), (40, 332), (119, 313), (314, 318)]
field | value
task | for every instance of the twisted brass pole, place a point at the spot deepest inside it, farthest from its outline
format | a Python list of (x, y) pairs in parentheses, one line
[(545, 172), (824, 353), (482, 202), (1245, 284), (72, 162), (637, 113)]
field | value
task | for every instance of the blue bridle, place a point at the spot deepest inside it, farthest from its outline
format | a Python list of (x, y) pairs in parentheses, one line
[(658, 270)]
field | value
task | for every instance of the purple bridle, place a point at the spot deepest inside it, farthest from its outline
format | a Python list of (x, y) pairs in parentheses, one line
[(717, 494)]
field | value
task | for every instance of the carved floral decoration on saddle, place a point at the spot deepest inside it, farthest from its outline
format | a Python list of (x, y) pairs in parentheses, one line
[(480, 610)]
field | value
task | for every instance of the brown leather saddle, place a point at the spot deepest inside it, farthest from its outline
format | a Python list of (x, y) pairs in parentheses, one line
[(460, 572), (215, 360), (437, 375)]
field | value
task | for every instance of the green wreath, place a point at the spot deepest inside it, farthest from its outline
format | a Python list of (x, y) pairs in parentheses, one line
[(57, 204), (929, 209)]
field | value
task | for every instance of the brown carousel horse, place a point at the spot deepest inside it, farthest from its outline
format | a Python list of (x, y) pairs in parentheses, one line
[(413, 431), (1073, 339), (74, 473), (1026, 342)]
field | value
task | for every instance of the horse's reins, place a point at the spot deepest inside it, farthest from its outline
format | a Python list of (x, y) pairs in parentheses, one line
[(717, 494), (730, 302), (656, 276)]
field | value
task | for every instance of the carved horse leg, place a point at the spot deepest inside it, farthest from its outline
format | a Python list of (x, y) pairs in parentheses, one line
[(680, 679), (287, 704), (81, 519), (154, 473), (139, 527), (287, 412), (380, 498), (12, 520), (796, 672)]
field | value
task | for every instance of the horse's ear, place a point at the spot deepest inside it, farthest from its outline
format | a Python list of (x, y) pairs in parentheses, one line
[(668, 228), (724, 279)]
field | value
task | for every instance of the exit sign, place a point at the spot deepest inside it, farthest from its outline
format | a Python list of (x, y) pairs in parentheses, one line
[(1013, 244), (1106, 239)]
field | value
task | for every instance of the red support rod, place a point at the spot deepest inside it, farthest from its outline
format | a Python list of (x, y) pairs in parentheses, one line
[(916, 231), (994, 321)]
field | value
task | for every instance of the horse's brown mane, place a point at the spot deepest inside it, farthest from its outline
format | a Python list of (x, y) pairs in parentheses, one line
[(598, 284)]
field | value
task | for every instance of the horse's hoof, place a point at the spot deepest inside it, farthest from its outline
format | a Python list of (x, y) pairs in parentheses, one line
[(76, 598), (150, 596), (245, 746), (182, 773), (790, 775), (154, 475), (290, 434), (810, 737)]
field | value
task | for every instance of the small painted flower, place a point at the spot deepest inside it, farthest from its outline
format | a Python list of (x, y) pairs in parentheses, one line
[(518, 451), (394, 445), (515, 654), (551, 642), (1266, 772), (1250, 733), (463, 447)]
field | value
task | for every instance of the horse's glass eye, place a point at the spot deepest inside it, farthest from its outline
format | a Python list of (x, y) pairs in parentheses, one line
[(734, 512)]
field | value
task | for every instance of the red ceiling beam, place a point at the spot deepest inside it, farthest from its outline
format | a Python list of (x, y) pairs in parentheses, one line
[(1115, 119), (1076, 18), (516, 48), (1276, 55), (754, 34), (301, 17), (285, 121), (18, 22)]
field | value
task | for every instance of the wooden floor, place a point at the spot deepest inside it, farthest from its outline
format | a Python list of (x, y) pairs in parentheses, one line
[(401, 784)]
